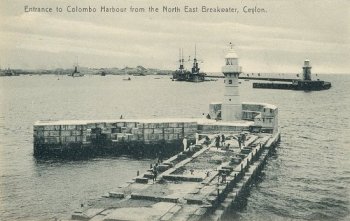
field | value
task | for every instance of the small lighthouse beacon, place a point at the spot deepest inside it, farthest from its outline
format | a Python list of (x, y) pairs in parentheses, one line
[(307, 70), (231, 107)]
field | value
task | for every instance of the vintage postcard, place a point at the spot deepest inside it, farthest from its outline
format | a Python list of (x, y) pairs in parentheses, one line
[(174, 110)]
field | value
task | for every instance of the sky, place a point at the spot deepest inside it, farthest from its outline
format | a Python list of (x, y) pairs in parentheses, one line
[(275, 41)]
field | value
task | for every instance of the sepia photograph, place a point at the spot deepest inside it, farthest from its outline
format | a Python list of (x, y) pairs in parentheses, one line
[(174, 110)]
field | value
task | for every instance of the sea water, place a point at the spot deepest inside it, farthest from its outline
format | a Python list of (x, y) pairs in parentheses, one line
[(307, 178)]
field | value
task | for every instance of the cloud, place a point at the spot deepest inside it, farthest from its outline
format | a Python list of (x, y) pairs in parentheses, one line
[(282, 37)]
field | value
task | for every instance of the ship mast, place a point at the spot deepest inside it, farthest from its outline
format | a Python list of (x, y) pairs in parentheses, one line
[(76, 65), (195, 68), (181, 59)]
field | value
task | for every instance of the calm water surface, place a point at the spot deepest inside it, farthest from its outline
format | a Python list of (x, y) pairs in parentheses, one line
[(307, 178)]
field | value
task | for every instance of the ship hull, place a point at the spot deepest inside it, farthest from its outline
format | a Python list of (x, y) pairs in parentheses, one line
[(196, 78)]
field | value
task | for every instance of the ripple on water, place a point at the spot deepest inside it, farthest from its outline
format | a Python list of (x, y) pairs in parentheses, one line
[(307, 178)]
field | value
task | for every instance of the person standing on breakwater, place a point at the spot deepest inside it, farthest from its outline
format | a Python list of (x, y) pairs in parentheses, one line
[(217, 141), (222, 140), (207, 141), (197, 138), (243, 139), (184, 142), (155, 172), (239, 139), (223, 177)]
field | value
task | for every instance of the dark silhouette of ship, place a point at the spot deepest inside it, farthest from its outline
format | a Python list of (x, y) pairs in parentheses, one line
[(8, 72), (103, 73), (191, 76), (76, 73), (181, 74)]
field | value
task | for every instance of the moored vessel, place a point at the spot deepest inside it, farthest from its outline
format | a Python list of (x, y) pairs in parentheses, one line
[(196, 75), (181, 74), (191, 76), (8, 72), (76, 73)]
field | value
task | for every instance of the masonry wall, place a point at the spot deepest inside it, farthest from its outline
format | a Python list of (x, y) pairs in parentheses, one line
[(63, 136), (141, 136)]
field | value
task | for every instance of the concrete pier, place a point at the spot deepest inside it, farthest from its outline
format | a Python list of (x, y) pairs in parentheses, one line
[(296, 85), (202, 183), (305, 83)]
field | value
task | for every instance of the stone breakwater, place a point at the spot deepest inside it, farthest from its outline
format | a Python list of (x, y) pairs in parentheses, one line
[(203, 183), (68, 138), (143, 136)]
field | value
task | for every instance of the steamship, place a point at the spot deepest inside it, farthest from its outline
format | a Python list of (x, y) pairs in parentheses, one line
[(76, 73), (191, 76)]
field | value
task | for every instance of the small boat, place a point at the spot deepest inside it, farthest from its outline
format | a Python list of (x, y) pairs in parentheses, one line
[(127, 79)]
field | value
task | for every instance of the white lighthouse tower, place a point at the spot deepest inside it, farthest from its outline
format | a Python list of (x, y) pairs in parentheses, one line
[(231, 107), (307, 70)]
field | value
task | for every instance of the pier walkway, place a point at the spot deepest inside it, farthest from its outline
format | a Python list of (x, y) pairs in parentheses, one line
[(201, 183), (257, 78)]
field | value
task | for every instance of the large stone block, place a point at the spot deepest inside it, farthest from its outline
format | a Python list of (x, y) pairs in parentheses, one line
[(173, 124), (49, 127), (81, 127), (168, 130), (90, 126), (120, 124), (100, 125), (55, 133), (130, 124), (39, 128), (116, 195), (71, 127), (65, 133), (114, 136), (148, 131), (141, 180), (78, 139), (158, 131), (76, 132), (178, 130), (190, 130), (52, 140)]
